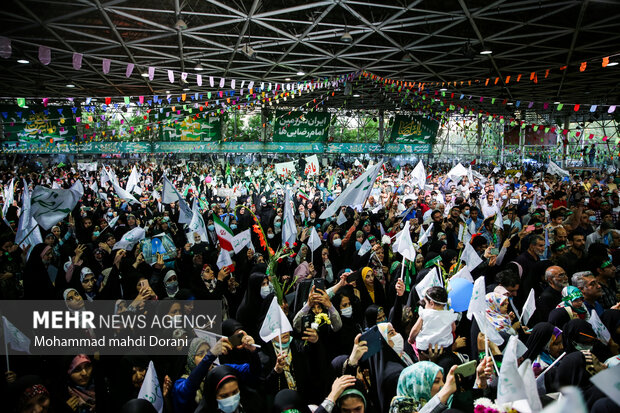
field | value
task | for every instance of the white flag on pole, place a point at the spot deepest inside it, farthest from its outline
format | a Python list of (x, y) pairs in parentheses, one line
[(529, 384), (477, 302), (571, 400), (169, 192), (356, 193), (9, 197), (223, 260), (197, 224), (528, 308), (49, 206), (510, 386), (130, 239), (457, 172), (554, 169), (151, 390), (487, 328), (133, 180), (464, 274), (599, 328), (315, 241), (364, 248), (25, 234), (471, 257), (15, 338), (425, 235), (275, 323), (431, 279), (341, 219), (418, 175), (289, 230), (404, 245), (113, 221), (78, 188), (241, 240)]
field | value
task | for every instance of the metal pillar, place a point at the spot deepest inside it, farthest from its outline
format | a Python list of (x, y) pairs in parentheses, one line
[(522, 143), (565, 147), (479, 140), (263, 123), (381, 126)]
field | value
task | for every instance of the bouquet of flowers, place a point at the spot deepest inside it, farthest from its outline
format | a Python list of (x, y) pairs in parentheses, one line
[(319, 320), (484, 405)]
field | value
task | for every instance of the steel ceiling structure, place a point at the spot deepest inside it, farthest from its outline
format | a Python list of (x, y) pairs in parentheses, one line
[(274, 40)]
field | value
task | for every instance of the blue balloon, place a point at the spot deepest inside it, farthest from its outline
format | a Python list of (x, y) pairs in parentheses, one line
[(460, 294)]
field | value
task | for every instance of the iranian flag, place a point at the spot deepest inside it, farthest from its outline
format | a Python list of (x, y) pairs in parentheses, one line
[(224, 234)]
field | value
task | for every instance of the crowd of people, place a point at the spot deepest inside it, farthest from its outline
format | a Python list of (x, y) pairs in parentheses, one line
[(556, 236)]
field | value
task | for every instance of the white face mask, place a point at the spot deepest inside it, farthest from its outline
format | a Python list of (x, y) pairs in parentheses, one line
[(347, 312), (337, 242), (399, 343), (270, 236), (265, 290), (229, 404)]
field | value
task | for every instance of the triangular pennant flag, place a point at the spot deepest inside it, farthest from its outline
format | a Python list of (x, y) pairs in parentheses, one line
[(151, 390), (223, 259), (404, 245), (599, 328), (129, 69), (510, 386), (528, 308), (45, 55), (314, 241), (364, 248), (275, 324), (477, 303), (341, 218), (431, 279), (77, 61), (470, 256), (14, 338), (464, 274), (105, 65)]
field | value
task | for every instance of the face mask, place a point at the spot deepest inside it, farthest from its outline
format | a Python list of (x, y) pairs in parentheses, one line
[(582, 347), (466, 212), (172, 287), (592, 218), (211, 227), (347, 312), (110, 214), (277, 224), (399, 343), (337, 242), (265, 290), (233, 226), (270, 236), (358, 245), (504, 197), (229, 404)]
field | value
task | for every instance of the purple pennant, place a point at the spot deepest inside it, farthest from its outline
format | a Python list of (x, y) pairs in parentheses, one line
[(222, 81), (183, 76), (77, 61), (251, 85), (106, 66), (530, 105), (151, 72), (5, 47), (45, 100), (612, 109), (78, 119), (232, 84), (171, 76), (199, 80), (45, 55), (141, 99), (129, 69)]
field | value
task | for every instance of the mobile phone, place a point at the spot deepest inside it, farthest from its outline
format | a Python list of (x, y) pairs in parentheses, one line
[(319, 284), (373, 338), (306, 322), (351, 277), (236, 339), (494, 251), (466, 369), (144, 284)]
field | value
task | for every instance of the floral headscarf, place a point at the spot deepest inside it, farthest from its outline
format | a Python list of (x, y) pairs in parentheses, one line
[(414, 387), (500, 321), (571, 293)]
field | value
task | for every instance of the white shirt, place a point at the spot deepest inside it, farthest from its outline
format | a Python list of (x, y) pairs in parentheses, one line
[(436, 328)]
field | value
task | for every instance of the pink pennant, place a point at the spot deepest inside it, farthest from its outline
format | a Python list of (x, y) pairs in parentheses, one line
[(129, 69), (77, 61), (171, 76), (232, 84), (612, 109), (141, 100), (199, 80), (183, 76), (151, 72), (45, 55), (45, 100), (106, 66), (5, 47)]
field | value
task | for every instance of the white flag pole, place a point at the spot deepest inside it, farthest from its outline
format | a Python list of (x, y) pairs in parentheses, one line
[(402, 268), (552, 364), (280, 339)]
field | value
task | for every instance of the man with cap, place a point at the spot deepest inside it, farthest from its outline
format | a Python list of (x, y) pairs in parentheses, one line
[(605, 273)]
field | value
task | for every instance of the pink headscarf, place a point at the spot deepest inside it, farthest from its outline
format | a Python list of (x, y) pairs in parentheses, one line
[(77, 360)]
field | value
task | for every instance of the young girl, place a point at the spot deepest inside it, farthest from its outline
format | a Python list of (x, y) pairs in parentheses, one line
[(436, 325)]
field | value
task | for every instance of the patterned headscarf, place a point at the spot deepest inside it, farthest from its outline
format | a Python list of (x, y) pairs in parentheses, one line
[(414, 387), (571, 293), (194, 345), (500, 321)]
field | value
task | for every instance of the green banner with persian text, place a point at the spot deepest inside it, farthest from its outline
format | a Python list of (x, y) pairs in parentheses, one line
[(414, 129), (301, 127), (38, 124)]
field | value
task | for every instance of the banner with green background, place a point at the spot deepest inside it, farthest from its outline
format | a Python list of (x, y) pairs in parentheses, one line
[(301, 127), (38, 124), (180, 125), (414, 129)]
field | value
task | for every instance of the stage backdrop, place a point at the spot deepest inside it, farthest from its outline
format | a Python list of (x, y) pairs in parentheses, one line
[(414, 129), (38, 124), (301, 127), (511, 136)]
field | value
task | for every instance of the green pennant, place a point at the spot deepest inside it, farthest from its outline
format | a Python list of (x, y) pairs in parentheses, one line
[(560, 106), (432, 262), (21, 102), (536, 128), (208, 95), (493, 101), (547, 129), (443, 93)]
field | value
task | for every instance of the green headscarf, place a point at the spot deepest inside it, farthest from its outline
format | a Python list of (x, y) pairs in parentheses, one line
[(414, 387)]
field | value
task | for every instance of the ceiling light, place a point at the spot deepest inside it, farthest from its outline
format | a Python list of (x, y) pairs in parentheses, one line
[(356, 95), (185, 89), (301, 73), (346, 38), (180, 25), (443, 89), (509, 104), (23, 61), (612, 64), (486, 51), (70, 85), (288, 79), (198, 67), (144, 74), (167, 91), (25, 107), (556, 102)]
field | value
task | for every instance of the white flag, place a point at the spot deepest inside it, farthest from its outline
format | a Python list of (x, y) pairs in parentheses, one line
[(170, 194), (598, 327), (571, 401), (275, 323), (284, 168), (418, 175), (289, 230), (423, 239), (431, 279), (15, 338), (197, 224), (488, 329), (464, 274), (49, 206), (151, 389), (364, 248), (608, 381), (510, 387), (477, 303), (130, 239), (133, 180), (554, 169), (223, 260), (315, 241), (78, 188), (457, 172), (499, 220), (241, 240), (26, 235), (113, 221), (529, 384), (87, 166), (341, 219), (356, 193), (528, 308), (9, 197), (404, 245), (312, 165), (471, 257), (103, 177)]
